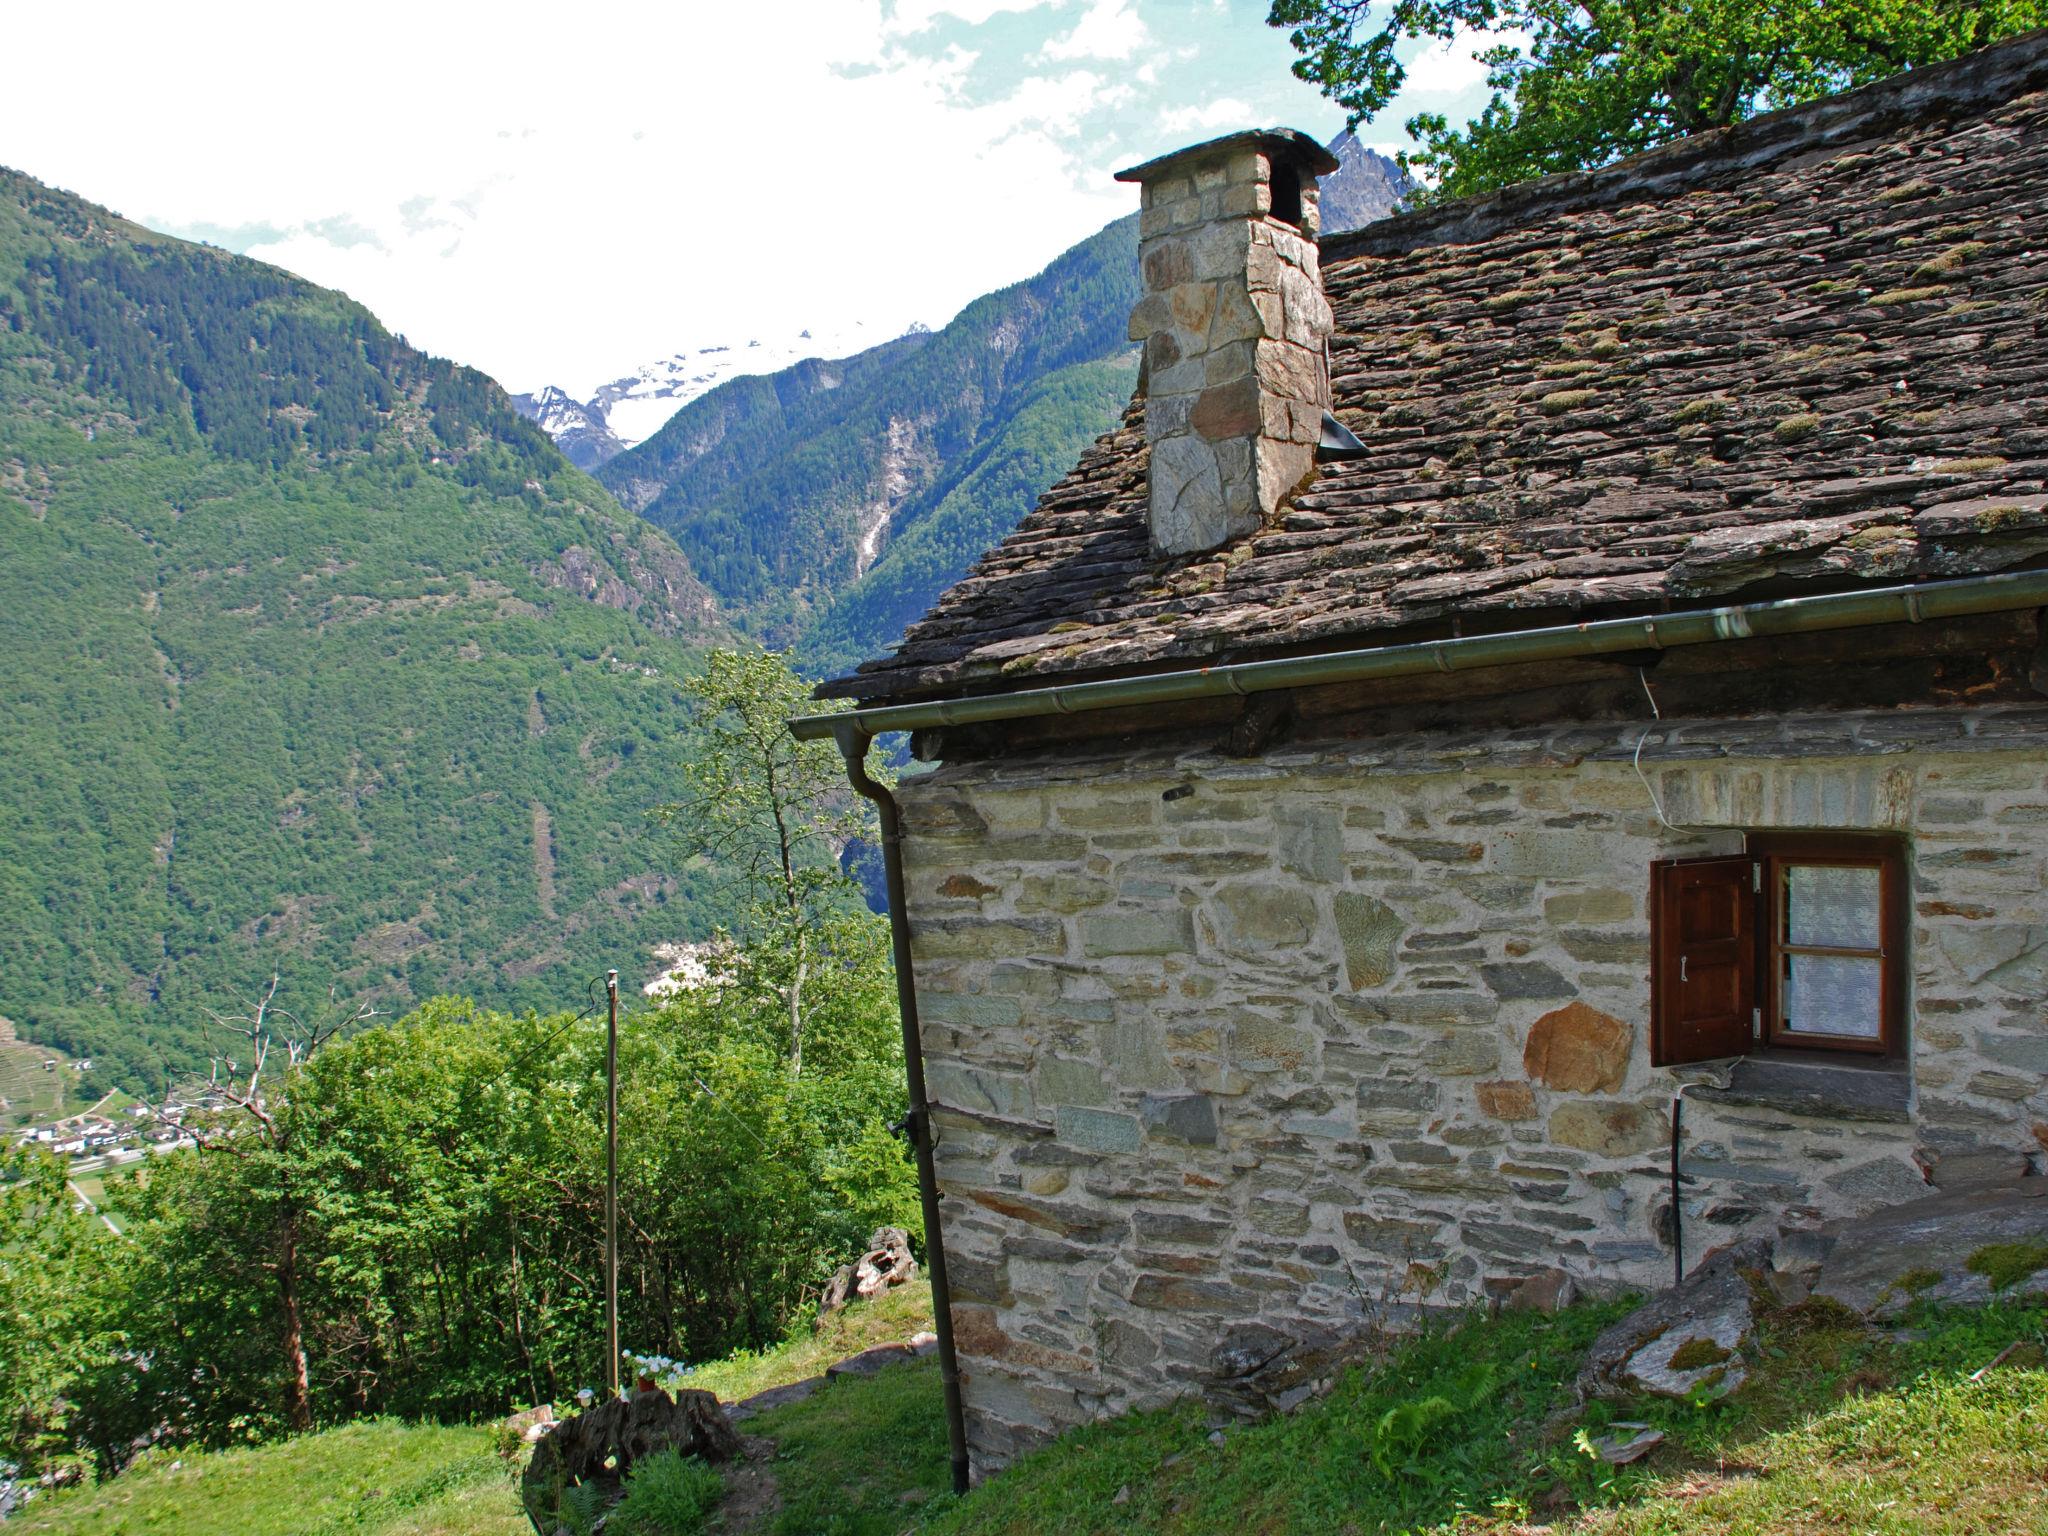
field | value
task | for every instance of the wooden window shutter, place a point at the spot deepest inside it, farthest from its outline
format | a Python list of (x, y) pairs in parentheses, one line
[(1702, 958)]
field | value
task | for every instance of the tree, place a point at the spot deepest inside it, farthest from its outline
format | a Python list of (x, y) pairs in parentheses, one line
[(1588, 83), (53, 1262), (261, 1133), (776, 813)]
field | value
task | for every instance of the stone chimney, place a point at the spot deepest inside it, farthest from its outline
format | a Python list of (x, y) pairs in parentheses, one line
[(1234, 324)]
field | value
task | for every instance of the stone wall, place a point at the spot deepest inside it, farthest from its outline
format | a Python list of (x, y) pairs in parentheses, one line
[(1232, 1057)]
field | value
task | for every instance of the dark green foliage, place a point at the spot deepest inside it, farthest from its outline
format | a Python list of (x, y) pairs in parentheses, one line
[(54, 1267), (304, 671), (1591, 83), (766, 480)]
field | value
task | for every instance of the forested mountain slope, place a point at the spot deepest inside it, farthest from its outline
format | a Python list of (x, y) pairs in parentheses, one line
[(829, 504), (318, 659), (785, 488)]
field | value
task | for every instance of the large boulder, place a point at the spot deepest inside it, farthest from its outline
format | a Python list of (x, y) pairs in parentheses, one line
[(1687, 1342), (1960, 1248), (601, 1446)]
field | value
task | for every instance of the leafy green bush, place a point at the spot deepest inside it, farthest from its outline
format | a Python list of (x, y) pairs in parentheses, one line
[(667, 1494)]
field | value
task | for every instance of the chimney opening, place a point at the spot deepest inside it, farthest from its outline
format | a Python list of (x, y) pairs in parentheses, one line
[(1286, 190)]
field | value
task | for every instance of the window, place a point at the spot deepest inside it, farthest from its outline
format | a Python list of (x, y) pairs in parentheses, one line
[(1798, 943)]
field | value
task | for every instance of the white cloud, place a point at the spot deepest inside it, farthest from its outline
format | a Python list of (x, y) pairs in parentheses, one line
[(1108, 29), (918, 15), (557, 197), (1224, 113), (1452, 68)]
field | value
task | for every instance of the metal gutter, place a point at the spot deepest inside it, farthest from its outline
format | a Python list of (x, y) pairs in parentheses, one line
[(853, 746), (1604, 637)]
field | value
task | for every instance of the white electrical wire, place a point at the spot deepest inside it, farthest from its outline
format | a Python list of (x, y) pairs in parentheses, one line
[(1655, 714)]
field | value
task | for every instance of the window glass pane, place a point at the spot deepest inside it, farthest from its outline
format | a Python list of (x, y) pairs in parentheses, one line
[(1833, 906), (1833, 995)]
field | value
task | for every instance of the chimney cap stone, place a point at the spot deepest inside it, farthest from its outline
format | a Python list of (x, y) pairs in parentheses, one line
[(1289, 144)]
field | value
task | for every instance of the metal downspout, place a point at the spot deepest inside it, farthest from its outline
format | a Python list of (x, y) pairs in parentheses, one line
[(853, 746)]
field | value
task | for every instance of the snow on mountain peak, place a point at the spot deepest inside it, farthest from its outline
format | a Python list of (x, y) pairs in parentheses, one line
[(618, 413)]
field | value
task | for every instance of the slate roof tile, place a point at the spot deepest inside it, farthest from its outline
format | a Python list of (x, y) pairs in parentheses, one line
[(1769, 363)]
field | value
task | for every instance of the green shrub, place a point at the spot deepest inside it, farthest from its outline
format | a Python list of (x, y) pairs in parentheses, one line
[(668, 1494), (580, 1508)]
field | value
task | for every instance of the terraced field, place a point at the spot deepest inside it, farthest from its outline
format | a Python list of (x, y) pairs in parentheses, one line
[(27, 1092)]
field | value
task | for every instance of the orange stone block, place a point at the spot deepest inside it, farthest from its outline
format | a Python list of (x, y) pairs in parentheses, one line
[(1579, 1049)]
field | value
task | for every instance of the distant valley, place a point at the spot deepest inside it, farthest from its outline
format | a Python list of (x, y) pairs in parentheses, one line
[(322, 662)]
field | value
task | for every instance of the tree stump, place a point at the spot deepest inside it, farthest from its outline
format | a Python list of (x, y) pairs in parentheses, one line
[(601, 1446)]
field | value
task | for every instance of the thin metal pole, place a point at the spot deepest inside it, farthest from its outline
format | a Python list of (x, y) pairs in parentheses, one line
[(611, 1177), (1677, 1205)]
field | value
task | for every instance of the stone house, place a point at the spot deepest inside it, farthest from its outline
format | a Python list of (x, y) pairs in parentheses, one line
[(1513, 665)]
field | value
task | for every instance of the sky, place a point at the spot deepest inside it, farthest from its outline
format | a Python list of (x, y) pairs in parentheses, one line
[(557, 193)]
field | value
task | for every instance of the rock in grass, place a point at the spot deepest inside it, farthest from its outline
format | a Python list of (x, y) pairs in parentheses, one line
[(1686, 1342), (1885, 1261), (869, 1361), (1695, 1359), (1625, 1442)]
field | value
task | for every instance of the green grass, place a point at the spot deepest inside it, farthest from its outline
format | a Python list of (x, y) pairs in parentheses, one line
[(862, 1455), (1841, 1429), (1316, 1470), (1471, 1428), (374, 1479), (889, 1319)]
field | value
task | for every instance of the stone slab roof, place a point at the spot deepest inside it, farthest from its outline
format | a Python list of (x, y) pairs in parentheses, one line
[(1802, 354)]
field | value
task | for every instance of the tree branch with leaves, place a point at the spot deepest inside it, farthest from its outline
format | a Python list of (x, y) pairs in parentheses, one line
[(776, 815), (1579, 85)]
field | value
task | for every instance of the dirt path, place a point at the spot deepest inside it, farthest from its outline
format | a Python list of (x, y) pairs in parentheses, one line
[(752, 1498)]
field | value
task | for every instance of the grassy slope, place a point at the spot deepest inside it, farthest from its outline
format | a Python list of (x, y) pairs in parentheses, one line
[(432, 1480), (889, 1319), (1842, 1429), (379, 1479), (346, 715), (32, 1096)]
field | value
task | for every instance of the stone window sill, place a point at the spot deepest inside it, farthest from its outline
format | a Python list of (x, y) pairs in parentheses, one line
[(1812, 1083)]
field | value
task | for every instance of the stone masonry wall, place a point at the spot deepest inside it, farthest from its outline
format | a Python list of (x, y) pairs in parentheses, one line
[(1232, 1056)]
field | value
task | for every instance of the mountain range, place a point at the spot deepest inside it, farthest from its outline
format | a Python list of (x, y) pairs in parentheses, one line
[(321, 661), (627, 410)]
